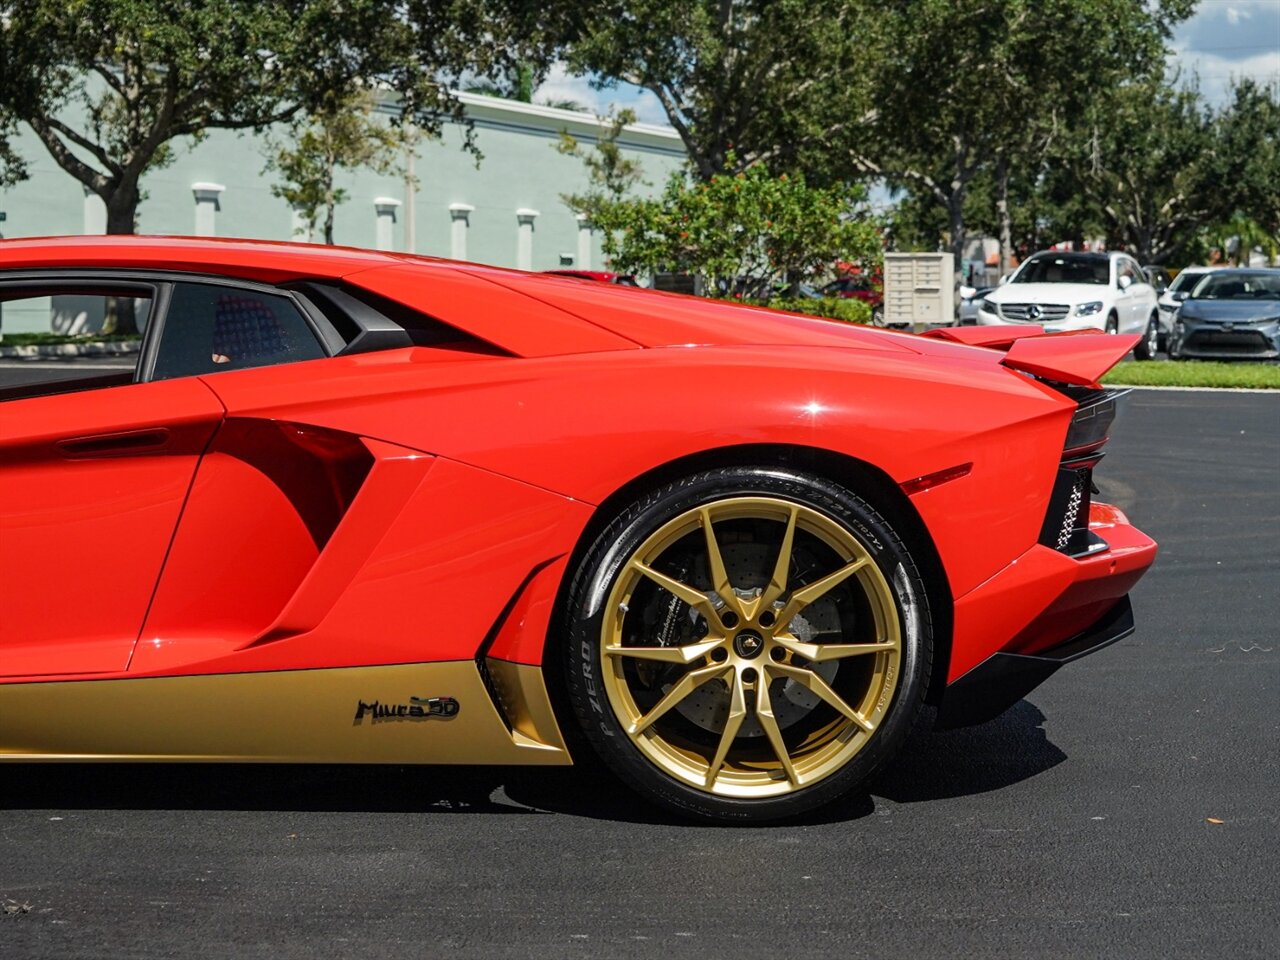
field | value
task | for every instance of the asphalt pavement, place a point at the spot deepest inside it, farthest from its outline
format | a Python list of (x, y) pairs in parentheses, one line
[(1128, 808)]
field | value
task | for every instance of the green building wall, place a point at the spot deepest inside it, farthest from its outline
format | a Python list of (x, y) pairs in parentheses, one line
[(520, 173)]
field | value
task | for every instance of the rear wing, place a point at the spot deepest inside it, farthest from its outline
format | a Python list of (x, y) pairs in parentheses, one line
[(1078, 357)]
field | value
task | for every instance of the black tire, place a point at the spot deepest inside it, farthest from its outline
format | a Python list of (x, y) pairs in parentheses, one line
[(594, 610), (1147, 348), (1113, 324)]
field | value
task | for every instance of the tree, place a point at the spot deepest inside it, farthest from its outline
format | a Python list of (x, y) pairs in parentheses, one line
[(743, 82), (1149, 162), (746, 233), (345, 136), (109, 85), (610, 173), (984, 84), (1248, 134)]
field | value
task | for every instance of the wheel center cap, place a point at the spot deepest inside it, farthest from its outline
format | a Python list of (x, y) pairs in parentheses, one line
[(748, 644)]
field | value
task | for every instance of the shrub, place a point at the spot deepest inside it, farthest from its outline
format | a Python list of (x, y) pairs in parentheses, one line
[(848, 309)]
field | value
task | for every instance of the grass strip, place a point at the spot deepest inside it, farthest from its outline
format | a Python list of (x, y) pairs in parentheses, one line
[(1194, 373)]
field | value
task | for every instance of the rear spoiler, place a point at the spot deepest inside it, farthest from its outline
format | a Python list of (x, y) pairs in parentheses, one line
[(1078, 357)]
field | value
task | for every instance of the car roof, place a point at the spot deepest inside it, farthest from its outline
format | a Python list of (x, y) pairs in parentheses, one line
[(265, 260), (1073, 255)]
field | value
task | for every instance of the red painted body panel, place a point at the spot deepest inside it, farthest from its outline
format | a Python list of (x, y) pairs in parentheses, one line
[(523, 325), (87, 518), (411, 585), (418, 504), (1074, 359), (1045, 597), (249, 259), (485, 411)]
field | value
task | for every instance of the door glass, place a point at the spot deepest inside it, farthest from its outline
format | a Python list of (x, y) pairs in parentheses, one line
[(210, 328), (63, 339)]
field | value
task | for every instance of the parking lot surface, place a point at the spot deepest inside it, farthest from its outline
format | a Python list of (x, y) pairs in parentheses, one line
[(1128, 808)]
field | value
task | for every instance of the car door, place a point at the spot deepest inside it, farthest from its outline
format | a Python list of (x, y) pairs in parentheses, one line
[(1126, 292), (94, 470), (1144, 298)]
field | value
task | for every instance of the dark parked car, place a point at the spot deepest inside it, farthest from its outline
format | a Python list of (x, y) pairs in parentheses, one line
[(599, 276), (1230, 314), (1158, 277), (860, 286)]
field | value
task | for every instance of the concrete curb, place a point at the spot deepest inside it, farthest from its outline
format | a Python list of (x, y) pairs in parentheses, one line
[(64, 350), (1135, 386)]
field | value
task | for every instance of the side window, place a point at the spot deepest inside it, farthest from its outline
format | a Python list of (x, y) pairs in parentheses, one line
[(1125, 268), (210, 328), (64, 337)]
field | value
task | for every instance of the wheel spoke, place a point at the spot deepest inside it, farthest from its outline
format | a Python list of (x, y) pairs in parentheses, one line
[(737, 713), (715, 564), (782, 568), (690, 595), (816, 685), (823, 652), (681, 689), (819, 588), (764, 714), (686, 654)]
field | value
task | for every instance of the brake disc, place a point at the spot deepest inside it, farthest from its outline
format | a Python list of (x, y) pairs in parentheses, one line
[(708, 706)]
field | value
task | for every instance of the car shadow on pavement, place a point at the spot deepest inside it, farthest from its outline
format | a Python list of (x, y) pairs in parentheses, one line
[(939, 765), (933, 766)]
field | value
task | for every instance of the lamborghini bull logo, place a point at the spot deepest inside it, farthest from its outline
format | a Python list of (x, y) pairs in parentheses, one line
[(418, 708)]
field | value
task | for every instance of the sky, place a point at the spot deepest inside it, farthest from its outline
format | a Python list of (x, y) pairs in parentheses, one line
[(1225, 39)]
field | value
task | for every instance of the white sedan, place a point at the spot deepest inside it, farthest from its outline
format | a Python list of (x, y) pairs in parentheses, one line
[(1078, 291)]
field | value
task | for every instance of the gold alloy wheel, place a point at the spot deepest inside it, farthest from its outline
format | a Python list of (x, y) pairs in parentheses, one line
[(711, 650)]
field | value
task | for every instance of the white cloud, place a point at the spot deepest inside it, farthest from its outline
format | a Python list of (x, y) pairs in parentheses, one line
[(561, 85), (1227, 40)]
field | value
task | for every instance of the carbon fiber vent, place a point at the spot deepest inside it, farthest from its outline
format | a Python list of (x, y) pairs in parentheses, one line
[(1078, 498)]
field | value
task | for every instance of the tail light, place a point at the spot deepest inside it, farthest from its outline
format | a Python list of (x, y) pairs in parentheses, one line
[(1066, 522)]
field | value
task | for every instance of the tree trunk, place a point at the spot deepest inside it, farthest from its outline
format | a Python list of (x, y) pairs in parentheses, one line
[(122, 218), (955, 220), (122, 210), (329, 203), (1002, 211)]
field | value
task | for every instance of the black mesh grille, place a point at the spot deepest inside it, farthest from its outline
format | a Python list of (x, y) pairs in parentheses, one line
[(1066, 524), (1243, 342)]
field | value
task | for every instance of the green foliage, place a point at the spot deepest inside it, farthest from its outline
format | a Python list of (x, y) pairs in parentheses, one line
[(745, 234), (742, 81), (141, 74), (13, 168), (1248, 134), (1146, 160), (145, 73), (980, 88), (610, 172), (847, 309), (345, 136)]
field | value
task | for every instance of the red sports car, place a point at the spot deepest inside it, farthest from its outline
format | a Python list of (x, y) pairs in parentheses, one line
[(344, 506)]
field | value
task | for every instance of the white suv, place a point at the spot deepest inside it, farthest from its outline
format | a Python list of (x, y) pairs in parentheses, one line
[(1078, 291)]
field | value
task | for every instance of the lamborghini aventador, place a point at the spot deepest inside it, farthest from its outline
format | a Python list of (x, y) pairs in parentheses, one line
[(342, 506)]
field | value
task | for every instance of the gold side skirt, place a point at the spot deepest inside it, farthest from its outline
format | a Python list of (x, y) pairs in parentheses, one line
[(386, 714)]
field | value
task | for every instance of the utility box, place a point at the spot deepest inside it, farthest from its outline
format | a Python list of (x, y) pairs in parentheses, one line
[(919, 290)]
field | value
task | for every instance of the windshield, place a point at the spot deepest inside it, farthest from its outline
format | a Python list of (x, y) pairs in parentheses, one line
[(1186, 280), (1238, 286), (1065, 268)]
